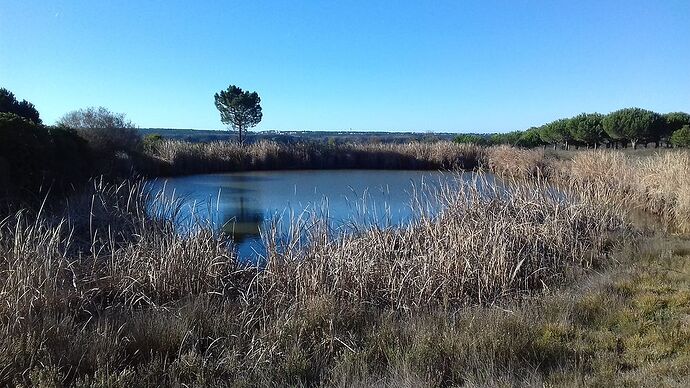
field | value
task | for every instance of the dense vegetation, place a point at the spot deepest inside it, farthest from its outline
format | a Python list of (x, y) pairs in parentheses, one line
[(549, 276), (616, 129), (23, 108), (34, 158), (481, 294)]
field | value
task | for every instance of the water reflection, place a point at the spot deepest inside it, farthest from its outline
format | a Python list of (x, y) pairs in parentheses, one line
[(241, 204), (244, 223)]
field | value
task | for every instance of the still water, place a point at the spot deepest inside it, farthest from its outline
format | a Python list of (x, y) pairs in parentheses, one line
[(243, 204)]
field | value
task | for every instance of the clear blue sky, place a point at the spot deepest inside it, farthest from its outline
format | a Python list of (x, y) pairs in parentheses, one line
[(371, 65)]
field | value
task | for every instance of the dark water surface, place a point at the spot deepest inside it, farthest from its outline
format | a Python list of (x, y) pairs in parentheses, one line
[(242, 204)]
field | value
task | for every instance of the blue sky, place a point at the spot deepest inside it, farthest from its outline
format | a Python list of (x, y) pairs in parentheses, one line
[(460, 66)]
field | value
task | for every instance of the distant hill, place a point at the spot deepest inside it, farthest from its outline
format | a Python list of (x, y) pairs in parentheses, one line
[(206, 135)]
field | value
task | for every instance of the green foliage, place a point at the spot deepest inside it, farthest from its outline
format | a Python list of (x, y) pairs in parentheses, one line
[(71, 160), (587, 128), (472, 139), (33, 157), (510, 138), (530, 138), (681, 137), (675, 121), (25, 109), (238, 108), (634, 124), (22, 148), (556, 132)]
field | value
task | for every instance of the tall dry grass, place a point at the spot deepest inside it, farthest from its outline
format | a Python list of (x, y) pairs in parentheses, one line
[(108, 294), (506, 161), (134, 303), (121, 256), (188, 158), (656, 183), (488, 242)]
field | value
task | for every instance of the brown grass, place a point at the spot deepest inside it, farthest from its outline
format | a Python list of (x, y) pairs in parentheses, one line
[(187, 158), (509, 161), (108, 295), (490, 241), (655, 183), (139, 295)]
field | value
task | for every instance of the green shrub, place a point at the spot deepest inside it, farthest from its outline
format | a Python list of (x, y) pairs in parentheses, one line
[(22, 152), (23, 108), (34, 158), (472, 139), (681, 137)]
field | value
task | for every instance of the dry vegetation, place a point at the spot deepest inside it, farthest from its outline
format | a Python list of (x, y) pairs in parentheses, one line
[(488, 292), (178, 157)]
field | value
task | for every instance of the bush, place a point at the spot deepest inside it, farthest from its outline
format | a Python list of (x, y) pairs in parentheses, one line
[(105, 131), (22, 150), (681, 137), (71, 160), (34, 158), (23, 108)]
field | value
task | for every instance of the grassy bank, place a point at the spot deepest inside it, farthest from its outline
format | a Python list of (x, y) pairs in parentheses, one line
[(504, 288)]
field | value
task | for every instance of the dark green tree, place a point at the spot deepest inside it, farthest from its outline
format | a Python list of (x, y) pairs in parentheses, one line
[(587, 128), (556, 133), (509, 138), (675, 121), (471, 139), (34, 157), (23, 108), (530, 138), (681, 137), (634, 124), (238, 108)]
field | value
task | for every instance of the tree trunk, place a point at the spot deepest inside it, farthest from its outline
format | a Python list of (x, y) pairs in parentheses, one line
[(634, 144)]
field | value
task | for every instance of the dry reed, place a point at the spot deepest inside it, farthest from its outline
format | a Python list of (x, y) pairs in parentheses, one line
[(109, 294), (656, 183), (488, 242), (187, 158)]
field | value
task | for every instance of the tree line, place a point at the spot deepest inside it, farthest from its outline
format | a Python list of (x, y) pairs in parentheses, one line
[(629, 126)]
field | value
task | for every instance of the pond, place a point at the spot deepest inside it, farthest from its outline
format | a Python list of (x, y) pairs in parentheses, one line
[(242, 204)]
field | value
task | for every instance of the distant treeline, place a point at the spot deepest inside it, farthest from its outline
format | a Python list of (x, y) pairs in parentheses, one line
[(293, 137), (632, 126)]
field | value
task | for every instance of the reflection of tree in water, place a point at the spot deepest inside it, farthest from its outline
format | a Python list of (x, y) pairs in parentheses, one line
[(243, 223)]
